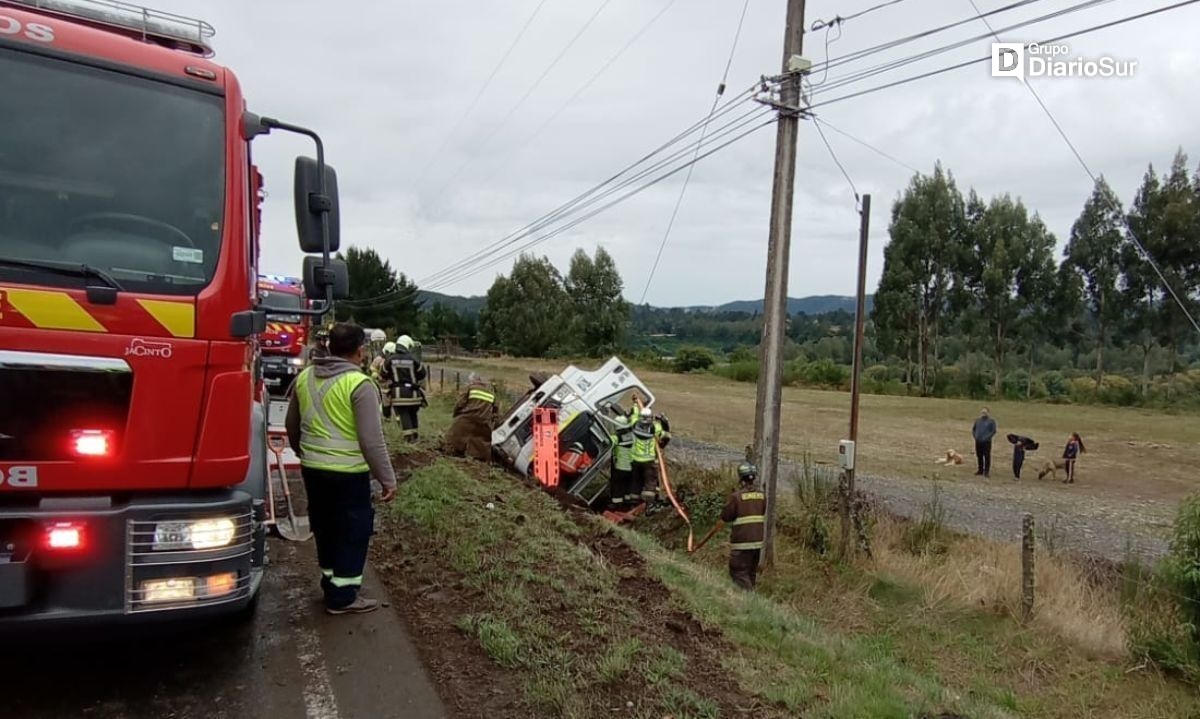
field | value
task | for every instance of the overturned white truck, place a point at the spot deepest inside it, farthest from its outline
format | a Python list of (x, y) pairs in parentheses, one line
[(584, 441)]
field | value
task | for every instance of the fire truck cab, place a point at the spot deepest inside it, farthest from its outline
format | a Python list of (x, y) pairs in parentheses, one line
[(132, 422), (285, 340)]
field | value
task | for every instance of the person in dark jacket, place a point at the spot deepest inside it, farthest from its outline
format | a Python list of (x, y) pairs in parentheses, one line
[(405, 373), (1021, 445), (475, 416), (983, 431), (1070, 454), (745, 511)]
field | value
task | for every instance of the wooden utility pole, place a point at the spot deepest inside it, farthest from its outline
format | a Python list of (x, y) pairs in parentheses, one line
[(864, 227), (770, 382)]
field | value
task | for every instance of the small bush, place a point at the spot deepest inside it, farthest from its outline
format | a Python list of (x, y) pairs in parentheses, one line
[(1055, 384), (824, 373), (744, 354), (929, 536), (693, 359), (740, 371)]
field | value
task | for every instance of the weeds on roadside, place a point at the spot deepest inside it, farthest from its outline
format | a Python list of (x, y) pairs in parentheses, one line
[(929, 536)]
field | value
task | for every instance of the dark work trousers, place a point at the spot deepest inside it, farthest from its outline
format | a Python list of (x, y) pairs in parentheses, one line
[(644, 479), (1018, 459), (743, 567), (983, 453), (408, 422), (342, 521), (618, 485)]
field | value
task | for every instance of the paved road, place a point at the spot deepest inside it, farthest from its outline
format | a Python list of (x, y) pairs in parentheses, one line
[(291, 661)]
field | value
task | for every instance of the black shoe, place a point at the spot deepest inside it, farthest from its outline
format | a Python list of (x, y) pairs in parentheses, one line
[(979, 473)]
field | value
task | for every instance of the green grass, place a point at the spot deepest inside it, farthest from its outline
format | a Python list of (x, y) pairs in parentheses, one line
[(545, 606)]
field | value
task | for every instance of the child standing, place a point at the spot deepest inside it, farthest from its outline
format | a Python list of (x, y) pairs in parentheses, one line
[(1070, 454)]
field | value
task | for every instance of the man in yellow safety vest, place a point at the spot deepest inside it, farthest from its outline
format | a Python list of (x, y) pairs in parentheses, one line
[(335, 426), (649, 434)]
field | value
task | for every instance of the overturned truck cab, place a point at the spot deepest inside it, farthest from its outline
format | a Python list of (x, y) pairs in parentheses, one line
[(585, 445)]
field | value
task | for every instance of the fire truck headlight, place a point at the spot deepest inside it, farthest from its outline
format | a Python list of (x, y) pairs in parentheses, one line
[(296, 362), (194, 534)]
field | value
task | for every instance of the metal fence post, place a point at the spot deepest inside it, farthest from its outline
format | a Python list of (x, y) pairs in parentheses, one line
[(442, 381)]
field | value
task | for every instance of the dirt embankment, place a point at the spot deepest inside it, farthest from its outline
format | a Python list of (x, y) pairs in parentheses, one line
[(521, 607)]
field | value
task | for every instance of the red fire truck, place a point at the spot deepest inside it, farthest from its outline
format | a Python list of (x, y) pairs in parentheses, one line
[(132, 425), (286, 337)]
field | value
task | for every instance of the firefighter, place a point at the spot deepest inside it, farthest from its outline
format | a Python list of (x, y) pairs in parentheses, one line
[(380, 375), (620, 435), (406, 373), (649, 434), (475, 415), (745, 511), (335, 426), (320, 346)]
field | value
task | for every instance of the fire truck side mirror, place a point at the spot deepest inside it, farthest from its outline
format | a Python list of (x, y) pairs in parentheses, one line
[(317, 277), (312, 203), (245, 324)]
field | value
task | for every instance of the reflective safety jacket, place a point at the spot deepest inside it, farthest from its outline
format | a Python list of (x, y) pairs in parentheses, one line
[(622, 440), (328, 429), (478, 402), (745, 512), (404, 377), (647, 436)]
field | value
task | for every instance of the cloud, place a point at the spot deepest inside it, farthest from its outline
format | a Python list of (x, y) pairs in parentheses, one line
[(386, 84)]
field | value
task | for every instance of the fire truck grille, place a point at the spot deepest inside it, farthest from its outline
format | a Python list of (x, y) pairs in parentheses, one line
[(51, 395)]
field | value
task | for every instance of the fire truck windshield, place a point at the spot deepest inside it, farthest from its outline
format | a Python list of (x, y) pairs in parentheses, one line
[(122, 174), (282, 300)]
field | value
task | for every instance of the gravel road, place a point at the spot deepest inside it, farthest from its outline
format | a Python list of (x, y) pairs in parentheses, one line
[(992, 508)]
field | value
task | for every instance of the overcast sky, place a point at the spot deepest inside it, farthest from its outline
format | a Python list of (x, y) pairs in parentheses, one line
[(385, 83)]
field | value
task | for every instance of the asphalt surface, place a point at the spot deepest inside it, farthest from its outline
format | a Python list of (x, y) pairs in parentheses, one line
[(290, 660)]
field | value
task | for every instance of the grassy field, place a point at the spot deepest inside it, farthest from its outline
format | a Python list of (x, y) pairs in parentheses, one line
[(1133, 454), (525, 609)]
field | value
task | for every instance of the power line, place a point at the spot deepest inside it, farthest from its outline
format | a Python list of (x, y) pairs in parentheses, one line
[(882, 47), (986, 58), (593, 213), (867, 145), (1075, 151), (728, 129), (532, 88), (836, 161), (585, 86), (583, 198), (902, 62), (729, 105), (688, 177), (479, 95)]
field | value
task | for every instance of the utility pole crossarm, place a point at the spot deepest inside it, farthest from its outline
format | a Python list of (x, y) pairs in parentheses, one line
[(770, 385)]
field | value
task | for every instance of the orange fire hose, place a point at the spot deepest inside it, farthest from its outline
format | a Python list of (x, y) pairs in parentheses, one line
[(662, 468)]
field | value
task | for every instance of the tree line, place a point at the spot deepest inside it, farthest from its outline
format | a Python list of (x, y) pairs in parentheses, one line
[(533, 311), (965, 274)]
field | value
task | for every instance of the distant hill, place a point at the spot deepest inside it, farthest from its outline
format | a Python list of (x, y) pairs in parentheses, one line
[(817, 305)]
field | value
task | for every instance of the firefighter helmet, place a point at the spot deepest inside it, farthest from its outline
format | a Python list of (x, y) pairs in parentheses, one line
[(389, 348), (747, 472), (646, 413), (405, 341)]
